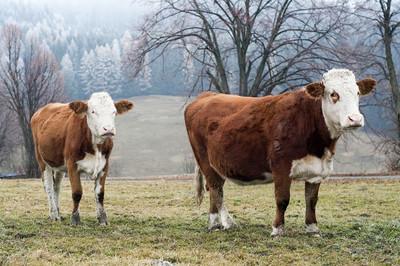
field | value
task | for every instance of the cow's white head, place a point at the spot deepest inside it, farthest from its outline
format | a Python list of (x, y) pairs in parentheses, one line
[(340, 94), (100, 112)]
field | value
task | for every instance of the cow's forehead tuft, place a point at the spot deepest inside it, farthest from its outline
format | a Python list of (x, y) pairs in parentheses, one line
[(100, 99), (339, 79)]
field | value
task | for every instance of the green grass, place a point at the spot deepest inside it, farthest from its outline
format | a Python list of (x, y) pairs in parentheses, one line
[(360, 224)]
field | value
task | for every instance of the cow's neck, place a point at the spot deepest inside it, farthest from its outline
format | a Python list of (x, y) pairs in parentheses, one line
[(92, 144), (323, 129), (334, 131)]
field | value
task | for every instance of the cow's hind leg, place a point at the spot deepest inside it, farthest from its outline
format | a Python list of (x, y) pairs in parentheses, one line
[(48, 182), (58, 176), (311, 196), (219, 216)]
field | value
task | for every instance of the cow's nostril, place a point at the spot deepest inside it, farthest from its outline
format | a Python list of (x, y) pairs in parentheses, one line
[(351, 119)]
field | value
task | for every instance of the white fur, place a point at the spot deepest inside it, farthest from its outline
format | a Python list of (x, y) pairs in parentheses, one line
[(92, 164), (226, 219), (277, 231), (101, 115), (267, 179), (312, 168), (48, 182), (97, 189), (336, 114), (312, 229), (58, 176), (213, 220)]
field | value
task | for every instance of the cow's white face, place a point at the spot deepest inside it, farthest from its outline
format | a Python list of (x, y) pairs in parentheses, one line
[(100, 112), (101, 115), (340, 94)]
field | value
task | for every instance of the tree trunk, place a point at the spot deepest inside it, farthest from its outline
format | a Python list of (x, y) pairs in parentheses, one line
[(31, 167), (392, 75)]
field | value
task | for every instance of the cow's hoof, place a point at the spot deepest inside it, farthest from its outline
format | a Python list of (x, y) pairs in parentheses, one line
[(102, 218), (214, 223), (277, 231), (312, 229), (215, 227), (230, 225), (54, 218), (75, 218)]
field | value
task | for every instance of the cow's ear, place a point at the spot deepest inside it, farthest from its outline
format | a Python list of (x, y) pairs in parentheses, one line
[(366, 85), (123, 106), (315, 89), (78, 107)]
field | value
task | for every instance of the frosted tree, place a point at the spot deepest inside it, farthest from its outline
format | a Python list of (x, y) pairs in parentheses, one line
[(87, 72), (126, 42), (73, 52), (69, 75), (144, 77), (116, 78)]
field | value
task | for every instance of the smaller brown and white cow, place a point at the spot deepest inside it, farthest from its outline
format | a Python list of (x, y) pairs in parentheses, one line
[(75, 139), (273, 139)]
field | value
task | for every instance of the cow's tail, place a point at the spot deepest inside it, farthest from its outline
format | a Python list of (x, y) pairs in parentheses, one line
[(199, 179)]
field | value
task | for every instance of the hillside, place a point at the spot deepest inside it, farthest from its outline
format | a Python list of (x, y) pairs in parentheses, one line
[(152, 140)]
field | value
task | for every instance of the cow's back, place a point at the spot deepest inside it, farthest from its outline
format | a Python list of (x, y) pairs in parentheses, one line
[(210, 107), (49, 128)]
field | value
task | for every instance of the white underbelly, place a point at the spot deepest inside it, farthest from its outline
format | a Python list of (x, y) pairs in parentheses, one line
[(267, 179), (312, 168), (92, 164)]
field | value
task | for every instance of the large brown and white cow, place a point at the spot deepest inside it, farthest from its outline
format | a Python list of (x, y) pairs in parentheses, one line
[(273, 139), (76, 138)]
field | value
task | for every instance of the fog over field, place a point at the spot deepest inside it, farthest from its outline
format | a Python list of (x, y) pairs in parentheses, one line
[(151, 140)]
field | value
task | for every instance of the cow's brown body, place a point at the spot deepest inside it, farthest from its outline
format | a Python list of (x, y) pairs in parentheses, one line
[(248, 139), (62, 137), (244, 138)]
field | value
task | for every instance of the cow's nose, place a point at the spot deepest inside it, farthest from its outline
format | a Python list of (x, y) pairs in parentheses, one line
[(355, 120), (108, 131)]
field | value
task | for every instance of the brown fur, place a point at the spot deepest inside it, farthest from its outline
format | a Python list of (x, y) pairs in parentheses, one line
[(62, 137), (242, 137), (366, 85), (123, 106)]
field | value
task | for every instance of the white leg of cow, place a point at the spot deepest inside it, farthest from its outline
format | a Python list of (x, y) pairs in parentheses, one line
[(226, 219), (99, 196), (58, 176), (48, 182)]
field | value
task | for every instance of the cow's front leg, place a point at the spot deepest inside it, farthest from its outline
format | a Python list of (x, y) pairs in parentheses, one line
[(99, 195), (76, 188), (282, 198), (311, 196)]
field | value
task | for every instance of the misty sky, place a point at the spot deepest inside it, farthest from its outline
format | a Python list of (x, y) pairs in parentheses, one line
[(121, 13)]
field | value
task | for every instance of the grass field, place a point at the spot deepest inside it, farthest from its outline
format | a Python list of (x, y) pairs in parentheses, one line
[(158, 220)]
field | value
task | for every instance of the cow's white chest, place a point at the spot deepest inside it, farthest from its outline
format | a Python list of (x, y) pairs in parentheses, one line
[(312, 168), (92, 164)]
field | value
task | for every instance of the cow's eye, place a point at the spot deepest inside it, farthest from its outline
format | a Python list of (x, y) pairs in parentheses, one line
[(93, 112), (358, 93), (335, 96)]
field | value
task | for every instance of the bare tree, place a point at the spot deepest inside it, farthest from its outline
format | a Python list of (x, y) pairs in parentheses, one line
[(264, 43), (29, 78), (378, 49), (375, 51)]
